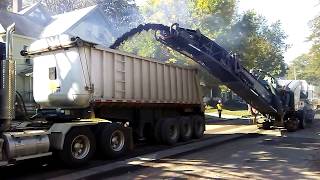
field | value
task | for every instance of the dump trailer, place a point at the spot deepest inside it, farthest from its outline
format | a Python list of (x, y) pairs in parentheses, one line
[(95, 99)]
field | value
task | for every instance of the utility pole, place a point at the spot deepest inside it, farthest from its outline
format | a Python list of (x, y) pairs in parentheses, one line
[(294, 72)]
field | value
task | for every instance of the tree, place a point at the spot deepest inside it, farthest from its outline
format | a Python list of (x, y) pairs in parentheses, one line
[(315, 51), (307, 66), (4, 4), (122, 14), (214, 17), (298, 67), (315, 28), (258, 45), (62, 6)]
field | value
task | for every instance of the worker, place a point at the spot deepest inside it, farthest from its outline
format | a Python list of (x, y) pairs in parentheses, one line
[(254, 113), (219, 107)]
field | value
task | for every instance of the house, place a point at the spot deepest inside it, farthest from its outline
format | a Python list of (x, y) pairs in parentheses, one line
[(36, 22)]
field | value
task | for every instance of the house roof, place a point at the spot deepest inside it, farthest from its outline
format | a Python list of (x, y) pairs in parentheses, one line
[(88, 23), (2, 30), (62, 22), (24, 26)]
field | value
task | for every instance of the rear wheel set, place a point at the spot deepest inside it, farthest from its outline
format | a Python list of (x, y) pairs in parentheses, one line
[(266, 125), (113, 140), (79, 147), (110, 139), (170, 130), (292, 124)]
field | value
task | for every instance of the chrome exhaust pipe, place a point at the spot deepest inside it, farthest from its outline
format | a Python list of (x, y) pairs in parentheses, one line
[(7, 83)]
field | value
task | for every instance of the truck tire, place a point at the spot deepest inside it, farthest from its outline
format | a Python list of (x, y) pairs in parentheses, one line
[(292, 124), (170, 131), (266, 125), (186, 130), (198, 126), (79, 147), (113, 140), (309, 117)]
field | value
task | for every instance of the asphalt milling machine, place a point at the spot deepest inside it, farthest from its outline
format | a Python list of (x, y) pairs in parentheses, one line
[(282, 105)]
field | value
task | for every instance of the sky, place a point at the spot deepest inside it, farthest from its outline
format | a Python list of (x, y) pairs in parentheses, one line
[(294, 16)]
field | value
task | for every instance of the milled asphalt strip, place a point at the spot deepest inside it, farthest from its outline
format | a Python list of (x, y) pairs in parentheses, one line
[(140, 160)]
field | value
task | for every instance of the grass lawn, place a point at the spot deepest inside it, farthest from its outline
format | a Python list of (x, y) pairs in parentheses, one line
[(229, 112)]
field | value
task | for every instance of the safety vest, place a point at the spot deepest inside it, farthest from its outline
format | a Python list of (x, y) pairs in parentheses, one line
[(219, 106)]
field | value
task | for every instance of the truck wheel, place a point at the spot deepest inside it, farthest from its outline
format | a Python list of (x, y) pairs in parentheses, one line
[(309, 117), (292, 124), (198, 126), (266, 125), (185, 128), (170, 131), (79, 147), (113, 141)]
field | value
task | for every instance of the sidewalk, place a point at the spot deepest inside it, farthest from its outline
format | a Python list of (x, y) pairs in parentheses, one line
[(223, 116)]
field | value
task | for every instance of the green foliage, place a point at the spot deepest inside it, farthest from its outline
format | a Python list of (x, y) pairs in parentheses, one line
[(298, 67), (307, 66), (122, 14), (315, 27), (258, 45), (212, 17)]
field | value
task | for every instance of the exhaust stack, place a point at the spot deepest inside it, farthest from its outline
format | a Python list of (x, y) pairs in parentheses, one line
[(7, 83)]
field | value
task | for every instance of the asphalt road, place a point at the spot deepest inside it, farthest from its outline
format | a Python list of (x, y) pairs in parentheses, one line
[(47, 168), (230, 149), (275, 155)]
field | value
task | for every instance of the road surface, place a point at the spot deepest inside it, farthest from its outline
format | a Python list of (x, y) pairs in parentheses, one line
[(275, 155), (231, 149)]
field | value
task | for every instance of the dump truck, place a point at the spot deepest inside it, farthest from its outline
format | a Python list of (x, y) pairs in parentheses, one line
[(95, 99)]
